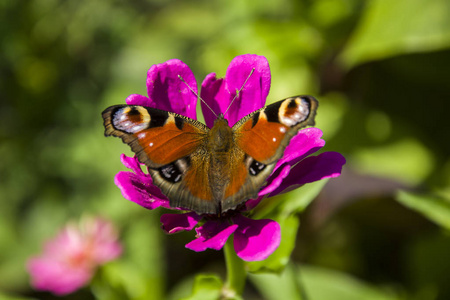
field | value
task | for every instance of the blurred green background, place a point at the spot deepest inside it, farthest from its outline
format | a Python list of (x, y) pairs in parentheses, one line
[(379, 68)]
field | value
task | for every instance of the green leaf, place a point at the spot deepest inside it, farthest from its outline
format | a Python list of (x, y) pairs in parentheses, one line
[(324, 284), (206, 287), (293, 202), (300, 198), (276, 262), (390, 28), (434, 208), (278, 286), (283, 209), (373, 160)]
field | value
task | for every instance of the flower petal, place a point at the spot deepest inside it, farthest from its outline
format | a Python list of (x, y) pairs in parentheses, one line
[(131, 163), (141, 190), (210, 92), (138, 186), (165, 88), (313, 168), (306, 142), (136, 99), (173, 223), (70, 259), (49, 274), (102, 238), (218, 93), (212, 235), (255, 240), (274, 181)]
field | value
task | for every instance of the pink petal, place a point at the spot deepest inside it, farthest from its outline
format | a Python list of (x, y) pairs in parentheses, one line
[(71, 258), (136, 99), (218, 93), (48, 274), (275, 180), (252, 203), (132, 163), (212, 235), (306, 142), (255, 240), (313, 168), (211, 87), (140, 190), (173, 223), (169, 92), (102, 238)]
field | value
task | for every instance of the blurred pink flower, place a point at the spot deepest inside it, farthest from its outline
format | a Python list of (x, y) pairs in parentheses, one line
[(70, 259)]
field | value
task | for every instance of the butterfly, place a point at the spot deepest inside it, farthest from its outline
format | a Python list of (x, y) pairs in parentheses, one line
[(210, 170)]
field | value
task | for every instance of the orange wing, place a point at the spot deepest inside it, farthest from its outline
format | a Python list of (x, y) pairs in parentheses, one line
[(157, 137), (264, 134)]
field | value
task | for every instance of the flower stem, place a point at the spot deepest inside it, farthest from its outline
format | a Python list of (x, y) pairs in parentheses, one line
[(236, 273)]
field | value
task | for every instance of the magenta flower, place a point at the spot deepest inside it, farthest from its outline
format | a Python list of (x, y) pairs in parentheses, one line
[(70, 260), (253, 239)]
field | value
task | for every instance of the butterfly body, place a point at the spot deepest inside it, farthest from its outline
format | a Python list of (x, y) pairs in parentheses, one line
[(212, 170)]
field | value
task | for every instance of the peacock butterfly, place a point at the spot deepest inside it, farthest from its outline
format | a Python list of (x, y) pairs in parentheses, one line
[(210, 170)]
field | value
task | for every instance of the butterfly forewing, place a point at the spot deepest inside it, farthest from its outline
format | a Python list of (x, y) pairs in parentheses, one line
[(157, 137), (264, 134)]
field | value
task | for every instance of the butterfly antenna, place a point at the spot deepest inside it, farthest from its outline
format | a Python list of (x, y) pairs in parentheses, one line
[(239, 91), (195, 93)]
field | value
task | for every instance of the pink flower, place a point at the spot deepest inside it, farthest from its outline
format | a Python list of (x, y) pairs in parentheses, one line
[(70, 260), (253, 239)]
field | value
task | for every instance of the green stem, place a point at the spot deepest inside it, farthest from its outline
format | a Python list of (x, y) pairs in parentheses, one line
[(236, 273)]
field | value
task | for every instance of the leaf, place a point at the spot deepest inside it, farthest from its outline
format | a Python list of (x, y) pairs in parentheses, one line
[(278, 286), (393, 160), (434, 208), (293, 202), (206, 287), (324, 284), (390, 28), (299, 199), (283, 209)]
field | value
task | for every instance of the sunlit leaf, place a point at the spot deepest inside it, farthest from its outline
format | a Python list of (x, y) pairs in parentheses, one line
[(434, 208), (278, 286), (324, 284), (206, 287), (390, 28), (395, 161)]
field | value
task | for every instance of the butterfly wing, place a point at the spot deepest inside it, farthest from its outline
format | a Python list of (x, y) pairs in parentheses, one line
[(172, 146), (262, 136)]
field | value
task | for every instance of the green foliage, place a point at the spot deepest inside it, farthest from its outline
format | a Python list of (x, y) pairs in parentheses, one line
[(318, 284), (379, 69), (436, 209), (206, 287), (283, 209), (393, 28)]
